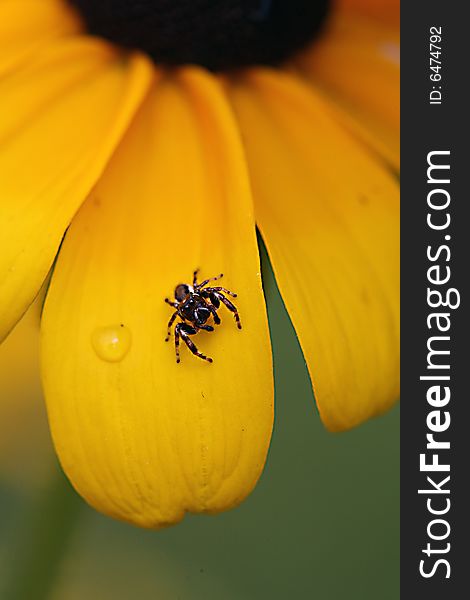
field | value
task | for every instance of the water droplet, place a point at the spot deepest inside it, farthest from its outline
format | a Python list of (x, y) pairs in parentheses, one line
[(111, 343)]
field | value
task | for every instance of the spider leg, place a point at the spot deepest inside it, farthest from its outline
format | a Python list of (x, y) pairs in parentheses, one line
[(173, 304), (212, 303), (213, 307), (212, 296), (221, 289), (177, 343), (170, 323), (206, 327), (230, 306), (206, 281), (195, 278), (184, 330)]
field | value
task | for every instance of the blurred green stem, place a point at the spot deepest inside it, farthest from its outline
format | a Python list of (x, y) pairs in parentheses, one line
[(41, 542)]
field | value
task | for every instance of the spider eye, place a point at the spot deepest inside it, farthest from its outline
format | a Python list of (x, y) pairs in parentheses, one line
[(181, 292)]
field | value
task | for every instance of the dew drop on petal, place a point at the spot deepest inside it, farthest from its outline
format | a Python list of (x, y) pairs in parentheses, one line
[(111, 343)]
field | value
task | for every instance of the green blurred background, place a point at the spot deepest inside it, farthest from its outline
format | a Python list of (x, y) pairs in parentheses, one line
[(323, 522)]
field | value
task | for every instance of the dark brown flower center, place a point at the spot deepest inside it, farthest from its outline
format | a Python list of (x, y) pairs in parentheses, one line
[(217, 34)]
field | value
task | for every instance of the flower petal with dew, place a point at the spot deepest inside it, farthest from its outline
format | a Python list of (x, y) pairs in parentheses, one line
[(142, 438), (329, 216), (62, 116)]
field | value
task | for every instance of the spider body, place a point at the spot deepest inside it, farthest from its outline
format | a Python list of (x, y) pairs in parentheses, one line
[(195, 304)]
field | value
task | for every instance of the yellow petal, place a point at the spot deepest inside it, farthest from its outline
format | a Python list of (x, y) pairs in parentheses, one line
[(356, 63), (383, 10), (60, 119), (142, 438), (25, 25), (329, 217), (19, 384)]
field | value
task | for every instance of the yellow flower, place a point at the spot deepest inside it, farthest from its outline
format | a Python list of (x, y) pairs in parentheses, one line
[(156, 171), (19, 382)]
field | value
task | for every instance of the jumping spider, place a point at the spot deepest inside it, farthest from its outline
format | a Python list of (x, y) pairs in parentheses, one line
[(194, 306)]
